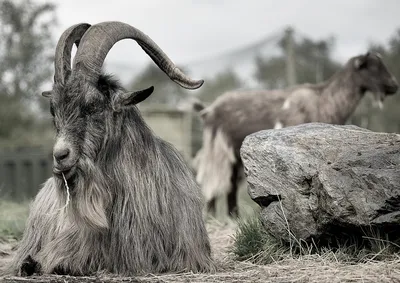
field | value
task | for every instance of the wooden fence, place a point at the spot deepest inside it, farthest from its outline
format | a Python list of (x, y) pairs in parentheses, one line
[(182, 129), (23, 171)]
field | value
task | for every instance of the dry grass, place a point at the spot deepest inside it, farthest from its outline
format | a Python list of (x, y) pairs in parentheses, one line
[(323, 267), (310, 268)]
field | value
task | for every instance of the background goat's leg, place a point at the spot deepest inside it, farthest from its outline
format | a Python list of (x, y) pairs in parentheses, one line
[(212, 207), (232, 195)]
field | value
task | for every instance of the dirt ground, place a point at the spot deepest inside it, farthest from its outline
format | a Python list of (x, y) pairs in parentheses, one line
[(307, 269)]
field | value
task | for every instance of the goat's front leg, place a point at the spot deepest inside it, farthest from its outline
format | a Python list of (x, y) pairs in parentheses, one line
[(40, 227), (232, 197), (29, 267)]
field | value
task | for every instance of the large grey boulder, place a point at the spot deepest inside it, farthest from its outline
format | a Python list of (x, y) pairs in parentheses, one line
[(330, 180)]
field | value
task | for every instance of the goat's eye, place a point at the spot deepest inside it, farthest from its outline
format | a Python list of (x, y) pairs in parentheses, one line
[(55, 126), (51, 110), (373, 67)]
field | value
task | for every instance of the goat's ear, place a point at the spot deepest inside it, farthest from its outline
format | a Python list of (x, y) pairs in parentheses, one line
[(361, 61), (131, 98), (46, 93)]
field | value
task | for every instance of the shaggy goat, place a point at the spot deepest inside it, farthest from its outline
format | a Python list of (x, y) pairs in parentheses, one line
[(135, 205), (234, 115)]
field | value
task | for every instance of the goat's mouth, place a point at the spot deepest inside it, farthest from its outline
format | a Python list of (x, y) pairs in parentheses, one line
[(67, 172), (391, 89)]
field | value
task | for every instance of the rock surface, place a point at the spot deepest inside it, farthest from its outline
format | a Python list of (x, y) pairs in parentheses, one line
[(329, 179)]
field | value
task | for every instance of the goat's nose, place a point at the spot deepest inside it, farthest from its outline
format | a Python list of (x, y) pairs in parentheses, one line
[(61, 154), (393, 81)]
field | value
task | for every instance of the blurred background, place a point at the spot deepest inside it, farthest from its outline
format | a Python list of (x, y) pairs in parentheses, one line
[(230, 44)]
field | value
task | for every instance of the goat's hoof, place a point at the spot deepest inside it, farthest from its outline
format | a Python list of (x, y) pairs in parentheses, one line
[(29, 267)]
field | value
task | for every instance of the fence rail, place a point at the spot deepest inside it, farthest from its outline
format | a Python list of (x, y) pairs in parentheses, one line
[(23, 171)]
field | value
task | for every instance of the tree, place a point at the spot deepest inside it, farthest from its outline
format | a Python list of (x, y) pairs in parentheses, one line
[(271, 72), (222, 82), (26, 56), (26, 49), (313, 62)]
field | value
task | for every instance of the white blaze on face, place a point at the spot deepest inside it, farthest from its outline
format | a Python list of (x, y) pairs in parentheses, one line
[(278, 125)]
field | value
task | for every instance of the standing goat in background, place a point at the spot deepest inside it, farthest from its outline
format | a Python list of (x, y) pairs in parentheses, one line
[(234, 115), (134, 204)]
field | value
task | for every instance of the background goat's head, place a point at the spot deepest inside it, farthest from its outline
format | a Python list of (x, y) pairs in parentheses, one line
[(88, 106), (374, 76)]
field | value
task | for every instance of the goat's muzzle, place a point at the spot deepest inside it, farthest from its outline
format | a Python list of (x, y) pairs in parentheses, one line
[(392, 86), (64, 159), (67, 171), (391, 89)]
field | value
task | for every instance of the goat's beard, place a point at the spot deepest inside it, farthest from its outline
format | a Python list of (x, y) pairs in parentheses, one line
[(378, 97), (90, 196)]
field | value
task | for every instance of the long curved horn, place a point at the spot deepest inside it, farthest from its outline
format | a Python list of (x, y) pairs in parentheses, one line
[(62, 61), (98, 40)]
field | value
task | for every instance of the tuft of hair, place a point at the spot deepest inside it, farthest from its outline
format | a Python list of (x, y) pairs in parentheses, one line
[(108, 84), (198, 106), (214, 163), (191, 104), (253, 243)]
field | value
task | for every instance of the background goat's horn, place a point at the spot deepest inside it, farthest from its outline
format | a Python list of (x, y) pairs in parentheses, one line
[(99, 39), (62, 60)]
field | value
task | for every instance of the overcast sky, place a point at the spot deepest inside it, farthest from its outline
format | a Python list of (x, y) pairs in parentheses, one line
[(189, 30)]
